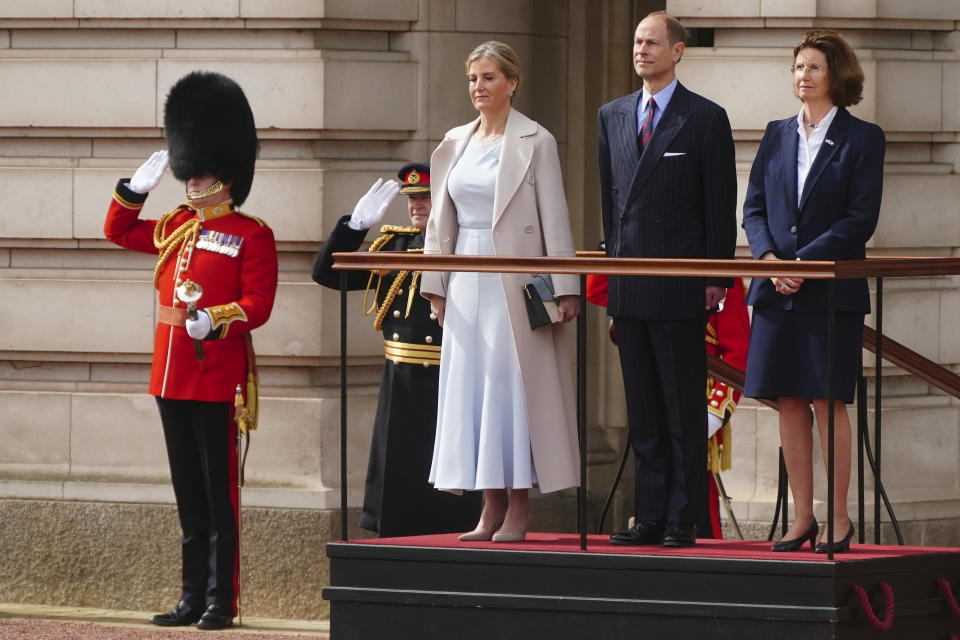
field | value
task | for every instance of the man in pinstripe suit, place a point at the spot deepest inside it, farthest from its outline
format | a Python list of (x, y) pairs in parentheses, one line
[(668, 189)]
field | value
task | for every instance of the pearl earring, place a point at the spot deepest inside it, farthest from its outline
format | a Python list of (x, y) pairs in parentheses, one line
[(510, 94)]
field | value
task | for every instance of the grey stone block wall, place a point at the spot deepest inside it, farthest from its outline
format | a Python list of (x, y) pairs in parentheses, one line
[(127, 556)]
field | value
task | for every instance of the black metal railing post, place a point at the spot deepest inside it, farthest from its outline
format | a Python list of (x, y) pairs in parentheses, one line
[(861, 427), (343, 405), (582, 413), (877, 404), (831, 418)]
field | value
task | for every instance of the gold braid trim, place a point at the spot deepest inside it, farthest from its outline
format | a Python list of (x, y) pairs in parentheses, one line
[(726, 455), (720, 456), (388, 300), (389, 233), (376, 246), (413, 292), (167, 245), (392, 294), (373, 306), (413, 285), (389, 228)]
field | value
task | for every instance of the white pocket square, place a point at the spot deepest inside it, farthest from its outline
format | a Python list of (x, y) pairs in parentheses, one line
[(671, 154)]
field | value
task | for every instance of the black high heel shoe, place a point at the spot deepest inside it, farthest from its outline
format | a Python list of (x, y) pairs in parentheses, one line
[(797, 543), (838, 547)]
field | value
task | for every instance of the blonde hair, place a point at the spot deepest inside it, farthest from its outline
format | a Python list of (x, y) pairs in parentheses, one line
[(503, 54)]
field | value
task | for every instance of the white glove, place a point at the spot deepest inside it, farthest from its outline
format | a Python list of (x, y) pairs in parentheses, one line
[(714, 422), (148, 175), (199, 328), (371, 207)]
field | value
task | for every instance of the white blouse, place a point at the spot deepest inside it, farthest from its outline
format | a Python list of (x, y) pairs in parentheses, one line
[(808, 147)]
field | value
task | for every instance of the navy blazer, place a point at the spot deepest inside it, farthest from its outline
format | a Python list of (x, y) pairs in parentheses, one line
[(677, 200), (837, 214)]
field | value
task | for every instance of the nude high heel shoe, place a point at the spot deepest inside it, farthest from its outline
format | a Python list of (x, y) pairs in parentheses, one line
[(513, 536), (480, 534)]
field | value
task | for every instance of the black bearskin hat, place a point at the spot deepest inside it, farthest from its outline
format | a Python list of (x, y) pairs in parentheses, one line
[(209, 128)]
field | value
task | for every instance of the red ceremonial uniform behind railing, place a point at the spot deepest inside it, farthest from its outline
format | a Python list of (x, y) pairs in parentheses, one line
[(233, 257)]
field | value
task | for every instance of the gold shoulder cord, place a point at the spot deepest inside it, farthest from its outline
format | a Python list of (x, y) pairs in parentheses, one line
[(392, 294), (389, 228), (167, 245), (389, 233), (376, 246)]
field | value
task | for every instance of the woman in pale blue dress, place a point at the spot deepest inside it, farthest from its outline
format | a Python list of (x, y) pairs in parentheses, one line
[(504, 421)]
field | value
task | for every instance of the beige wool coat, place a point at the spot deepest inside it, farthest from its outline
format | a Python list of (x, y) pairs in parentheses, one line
[(530, 218)]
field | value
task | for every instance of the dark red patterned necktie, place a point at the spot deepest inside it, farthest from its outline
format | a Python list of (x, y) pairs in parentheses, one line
[(646, 129)]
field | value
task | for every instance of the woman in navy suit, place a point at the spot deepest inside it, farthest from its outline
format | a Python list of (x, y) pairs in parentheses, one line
[(814, 194)]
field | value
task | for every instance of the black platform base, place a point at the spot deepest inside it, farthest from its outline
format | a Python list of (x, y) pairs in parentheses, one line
[(719, 589)]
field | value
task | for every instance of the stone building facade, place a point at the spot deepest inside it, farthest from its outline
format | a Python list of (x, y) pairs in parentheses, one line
[(345, 91)]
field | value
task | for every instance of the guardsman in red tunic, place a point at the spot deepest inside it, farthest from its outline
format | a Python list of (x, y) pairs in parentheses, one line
[(216, 278), (727, 337)]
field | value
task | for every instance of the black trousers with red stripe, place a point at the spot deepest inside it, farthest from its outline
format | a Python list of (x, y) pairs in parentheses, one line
[(200, 439)]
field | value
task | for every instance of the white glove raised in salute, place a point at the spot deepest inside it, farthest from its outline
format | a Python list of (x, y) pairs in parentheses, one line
[(371, 207), (148, 175)]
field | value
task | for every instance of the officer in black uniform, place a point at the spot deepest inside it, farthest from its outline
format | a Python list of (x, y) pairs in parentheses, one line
[(399, 500)]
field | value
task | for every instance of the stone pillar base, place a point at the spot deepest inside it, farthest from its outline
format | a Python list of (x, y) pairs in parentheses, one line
[(127, 556)]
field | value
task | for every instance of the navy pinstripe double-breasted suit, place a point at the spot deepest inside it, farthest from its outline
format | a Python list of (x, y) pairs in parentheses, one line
[(675, 200)]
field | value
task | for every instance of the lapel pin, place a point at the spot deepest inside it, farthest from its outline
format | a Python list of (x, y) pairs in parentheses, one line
[(829, 141)]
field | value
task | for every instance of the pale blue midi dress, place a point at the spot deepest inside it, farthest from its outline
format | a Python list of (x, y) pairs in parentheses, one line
[(483, 440)]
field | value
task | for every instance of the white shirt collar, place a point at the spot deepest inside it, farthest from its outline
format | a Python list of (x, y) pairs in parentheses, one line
[(662, 97), (821, 127)]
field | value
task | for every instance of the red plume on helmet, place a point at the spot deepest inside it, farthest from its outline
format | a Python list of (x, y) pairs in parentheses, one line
[(209, 128)]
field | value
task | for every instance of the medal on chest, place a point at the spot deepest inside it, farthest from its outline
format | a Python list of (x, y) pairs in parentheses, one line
[(219, 242)]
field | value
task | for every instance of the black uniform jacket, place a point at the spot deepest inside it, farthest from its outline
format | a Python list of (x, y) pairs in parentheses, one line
[(399, 500)]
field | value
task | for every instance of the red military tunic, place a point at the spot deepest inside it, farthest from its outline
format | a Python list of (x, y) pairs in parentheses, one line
[(728, 337), (231, 255)]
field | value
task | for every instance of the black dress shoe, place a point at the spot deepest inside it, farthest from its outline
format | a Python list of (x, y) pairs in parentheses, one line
[(838, 547), (216, 617), (181, 615), (678, 534), (646, 532), (797, 543)]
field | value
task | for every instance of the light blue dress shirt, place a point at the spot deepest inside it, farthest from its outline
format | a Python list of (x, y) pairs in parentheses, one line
[(662, 98)]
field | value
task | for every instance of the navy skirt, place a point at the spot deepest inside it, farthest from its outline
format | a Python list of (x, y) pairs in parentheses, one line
[(788, 355)]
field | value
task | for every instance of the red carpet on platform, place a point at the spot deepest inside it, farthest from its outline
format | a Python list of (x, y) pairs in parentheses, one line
[(424, 586), (705, 548)]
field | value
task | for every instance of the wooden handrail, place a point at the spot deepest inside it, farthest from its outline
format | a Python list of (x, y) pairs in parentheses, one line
[(732, 377), (893, 352), (909, 360), (596, 262), (675, 267)]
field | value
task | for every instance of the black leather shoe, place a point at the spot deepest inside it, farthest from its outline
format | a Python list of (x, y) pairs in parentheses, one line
[(677, 534), (216, 617), (646, 532), (838, 547), (797, 543), (181, 615)]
